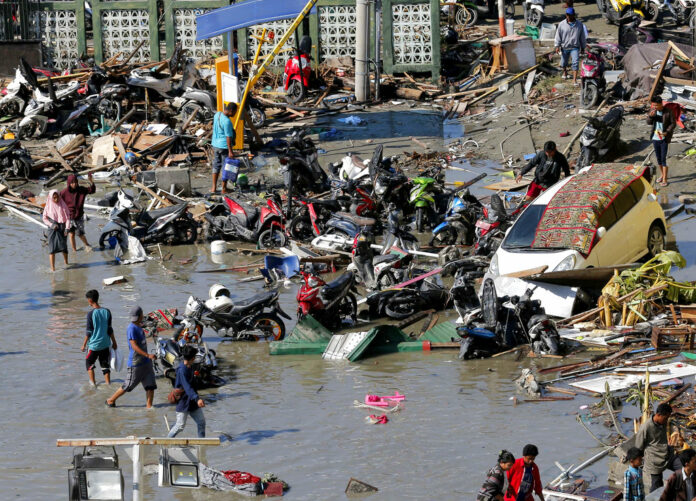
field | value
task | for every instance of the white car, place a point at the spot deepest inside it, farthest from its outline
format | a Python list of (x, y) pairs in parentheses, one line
[(605, 215)]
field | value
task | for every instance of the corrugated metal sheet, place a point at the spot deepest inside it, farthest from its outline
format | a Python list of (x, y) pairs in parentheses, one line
[(441, 333)]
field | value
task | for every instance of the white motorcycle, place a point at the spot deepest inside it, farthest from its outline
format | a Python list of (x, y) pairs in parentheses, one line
[(534, 12)]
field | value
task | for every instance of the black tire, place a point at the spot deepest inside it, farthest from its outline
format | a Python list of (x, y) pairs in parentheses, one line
[(189, 109), (420, 217), (489, 304), (401, 306), (587, 156), (656, 240), (509, 10), (105, 237), (589, 95), (270, 323), (300, 228), (28, 130), (296, 92), (271, 239), (448, 236), (258, 116), (652, 12), (347, 308), (111, 110), (186, 231), (534, 18)]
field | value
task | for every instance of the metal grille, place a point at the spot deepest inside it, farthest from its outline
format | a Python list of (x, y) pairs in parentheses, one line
[(57, 30), (185, 30), (412, 37), (123, 30), (337, 31), (277, 27)]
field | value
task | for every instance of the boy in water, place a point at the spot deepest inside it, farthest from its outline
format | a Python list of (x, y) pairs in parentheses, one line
[(99, 338)]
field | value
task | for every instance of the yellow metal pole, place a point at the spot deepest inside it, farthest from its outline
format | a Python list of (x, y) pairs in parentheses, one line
[(255, 73), (262, 40)]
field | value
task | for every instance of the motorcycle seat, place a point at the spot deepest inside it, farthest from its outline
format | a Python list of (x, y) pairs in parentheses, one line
[(6, 143), (360, 221), (330, 290), (386, 258), (252, 302), (251, 213), (157, 213)]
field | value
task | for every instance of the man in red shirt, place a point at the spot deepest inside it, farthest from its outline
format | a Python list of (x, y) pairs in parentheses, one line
[(524, 477)]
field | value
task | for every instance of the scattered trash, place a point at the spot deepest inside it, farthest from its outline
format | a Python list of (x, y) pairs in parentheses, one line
[(358, 487)]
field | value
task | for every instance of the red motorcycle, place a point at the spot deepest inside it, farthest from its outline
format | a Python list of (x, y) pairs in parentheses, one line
[(298, 71), (310, 221), (330, 304), (236, 220), (491, 228)]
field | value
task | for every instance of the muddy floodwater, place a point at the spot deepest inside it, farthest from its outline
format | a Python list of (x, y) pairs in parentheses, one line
[(291, 415)]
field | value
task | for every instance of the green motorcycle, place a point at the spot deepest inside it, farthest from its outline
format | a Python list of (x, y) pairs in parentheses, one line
[(422, 199)]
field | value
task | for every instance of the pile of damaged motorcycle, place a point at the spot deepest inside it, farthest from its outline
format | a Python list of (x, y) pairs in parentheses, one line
[(365, 214)]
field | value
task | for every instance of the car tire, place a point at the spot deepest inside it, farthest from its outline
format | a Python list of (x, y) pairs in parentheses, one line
[(656, 240)]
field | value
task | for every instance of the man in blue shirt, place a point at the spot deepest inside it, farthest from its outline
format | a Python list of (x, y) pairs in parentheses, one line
[(222, 142), (140, 368), (99, 338), (189, 403)]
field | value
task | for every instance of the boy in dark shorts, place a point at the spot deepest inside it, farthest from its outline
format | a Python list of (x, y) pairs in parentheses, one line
[(140, 368), (99, 338)]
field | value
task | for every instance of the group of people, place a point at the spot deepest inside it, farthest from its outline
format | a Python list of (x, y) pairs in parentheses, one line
[(513, 479), (99, 341), (64, 214)]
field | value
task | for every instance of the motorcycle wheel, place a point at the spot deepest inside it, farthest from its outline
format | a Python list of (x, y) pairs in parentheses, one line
[(401, 305), (652, 12), (258, 116), (271, 324), (29, 130), (448, 236), (186, 231), (300, 228), (462, 16), (21, 167), (692, 21), (585, 159), (111, 110), (105, 238), (534, 18), (589, 95), (509, 9), (171, 375), (188, 110), (347, 308), (271, 239), (295, 93), (420, 218)]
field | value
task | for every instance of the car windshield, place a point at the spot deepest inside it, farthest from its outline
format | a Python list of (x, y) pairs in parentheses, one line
[(523, 231)]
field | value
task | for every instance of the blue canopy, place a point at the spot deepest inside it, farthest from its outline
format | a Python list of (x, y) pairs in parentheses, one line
[(245, 14)]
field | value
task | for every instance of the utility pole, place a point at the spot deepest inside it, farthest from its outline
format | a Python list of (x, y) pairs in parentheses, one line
[(362, 51), (501, 18)]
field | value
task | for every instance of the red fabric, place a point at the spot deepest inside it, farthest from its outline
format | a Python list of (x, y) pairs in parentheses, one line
[(241, 477), (515, 478), (75, 200), (535, 190)]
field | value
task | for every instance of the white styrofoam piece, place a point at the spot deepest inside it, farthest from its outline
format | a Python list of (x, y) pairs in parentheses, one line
[(617, 382)]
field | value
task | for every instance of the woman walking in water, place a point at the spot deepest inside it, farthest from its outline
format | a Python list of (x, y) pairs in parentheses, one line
[(56, 216)]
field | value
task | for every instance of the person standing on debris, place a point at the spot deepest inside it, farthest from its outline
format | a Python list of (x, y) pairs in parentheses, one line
[(681, 486), (570, 41), (189, 404), (549, 164), (652, 440), (140, 369), (633, 478), (56, 216), (524, 477), (663, 124), (74, 196), (99, 338), (496, 483), (222, 142)]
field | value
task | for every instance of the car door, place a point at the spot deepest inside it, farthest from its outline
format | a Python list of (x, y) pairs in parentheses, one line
[(620, 242)]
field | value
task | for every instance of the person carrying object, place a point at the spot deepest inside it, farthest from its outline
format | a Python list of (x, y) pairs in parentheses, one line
[(56, 216), (74, 196), (652, 440), (681, 486), (99, 338), (524, 477), (496, 484), (633, 478), (663, 124), (570, 41), (548, 165), (222, 142), (140, 368), (189, 404)]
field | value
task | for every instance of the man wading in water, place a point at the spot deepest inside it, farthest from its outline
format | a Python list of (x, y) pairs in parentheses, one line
[(99, 338), (140, 369)]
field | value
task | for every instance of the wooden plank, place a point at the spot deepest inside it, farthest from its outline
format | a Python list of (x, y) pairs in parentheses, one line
[(119, 147), (529, 272), (659, 73), (147, 190), (509, 185), (56, 154)]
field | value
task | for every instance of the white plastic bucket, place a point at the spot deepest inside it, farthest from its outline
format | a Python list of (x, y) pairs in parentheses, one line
[(510, 26), (547, 32), (218, 247)]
